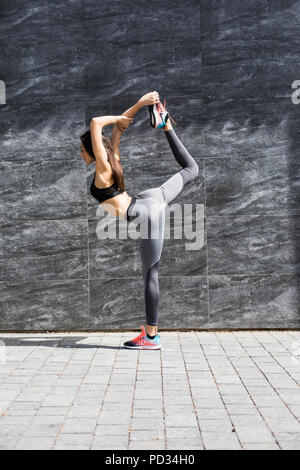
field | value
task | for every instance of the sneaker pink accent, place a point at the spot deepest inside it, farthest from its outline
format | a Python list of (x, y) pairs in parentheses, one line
[(142, 342), (159, 115), (162, 109)]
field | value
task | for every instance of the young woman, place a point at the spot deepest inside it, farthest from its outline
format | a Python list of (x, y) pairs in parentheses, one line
[(147, 206)]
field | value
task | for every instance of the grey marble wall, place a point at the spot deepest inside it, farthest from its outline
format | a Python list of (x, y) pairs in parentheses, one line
[(226, 68)]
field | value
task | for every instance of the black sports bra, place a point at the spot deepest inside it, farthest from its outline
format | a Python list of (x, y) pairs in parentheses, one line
[(101, 194)]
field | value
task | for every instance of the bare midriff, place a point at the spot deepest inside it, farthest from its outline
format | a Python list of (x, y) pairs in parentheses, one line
[(117, 205)]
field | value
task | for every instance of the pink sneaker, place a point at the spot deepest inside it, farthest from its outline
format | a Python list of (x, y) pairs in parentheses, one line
[(143, 342), (159, 115)]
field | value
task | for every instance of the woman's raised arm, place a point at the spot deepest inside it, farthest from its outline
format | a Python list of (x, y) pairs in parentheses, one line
[(103, 121), (149, 98), (96, 125), (97, 144)]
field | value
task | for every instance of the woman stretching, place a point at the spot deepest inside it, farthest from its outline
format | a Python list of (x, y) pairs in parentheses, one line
[(148, 207)]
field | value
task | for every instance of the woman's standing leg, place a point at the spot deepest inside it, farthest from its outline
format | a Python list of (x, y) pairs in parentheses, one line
[(151, 249), (150, 208)]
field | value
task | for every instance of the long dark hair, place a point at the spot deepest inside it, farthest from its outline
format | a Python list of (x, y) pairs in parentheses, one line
[(116, 166)]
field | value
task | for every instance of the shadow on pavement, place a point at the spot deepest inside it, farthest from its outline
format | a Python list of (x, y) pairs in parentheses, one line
[(59, 342)]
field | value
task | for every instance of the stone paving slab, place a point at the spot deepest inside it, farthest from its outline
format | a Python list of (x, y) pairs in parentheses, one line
[(203, 390)]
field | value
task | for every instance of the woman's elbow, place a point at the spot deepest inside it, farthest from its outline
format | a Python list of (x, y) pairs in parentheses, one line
[(96, 121)]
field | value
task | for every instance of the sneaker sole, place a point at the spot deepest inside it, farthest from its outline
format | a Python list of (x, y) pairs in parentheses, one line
[(152, 116), (143, 347)]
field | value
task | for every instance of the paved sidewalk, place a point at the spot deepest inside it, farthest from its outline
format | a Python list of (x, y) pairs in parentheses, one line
[(204, 390)]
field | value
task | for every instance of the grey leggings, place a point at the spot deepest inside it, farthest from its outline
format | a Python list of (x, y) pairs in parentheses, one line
[(148, 208)]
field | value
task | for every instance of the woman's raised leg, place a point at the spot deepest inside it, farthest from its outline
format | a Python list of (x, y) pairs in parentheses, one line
[(174, 185)]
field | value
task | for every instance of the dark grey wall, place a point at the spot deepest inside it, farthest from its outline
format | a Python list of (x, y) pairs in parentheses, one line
[(226, 69)]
